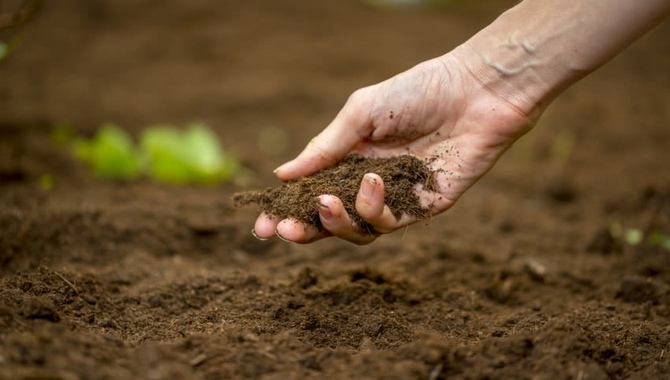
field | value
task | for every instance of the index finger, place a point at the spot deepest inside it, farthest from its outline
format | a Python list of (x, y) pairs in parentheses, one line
[(350, 126)]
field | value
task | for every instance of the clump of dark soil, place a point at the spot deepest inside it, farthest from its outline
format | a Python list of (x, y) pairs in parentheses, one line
[(296, 199)]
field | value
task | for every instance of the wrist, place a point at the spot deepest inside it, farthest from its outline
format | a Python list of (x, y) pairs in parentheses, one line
[(507, 75), (522, 62), (537, 49)]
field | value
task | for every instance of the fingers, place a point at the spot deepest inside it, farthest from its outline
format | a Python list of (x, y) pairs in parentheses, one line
[(371, 207), (348, 128), (291, 230), (265, 226), (335, 219), (338, 223)]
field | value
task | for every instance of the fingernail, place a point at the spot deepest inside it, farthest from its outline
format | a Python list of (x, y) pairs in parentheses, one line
[(282, 238), (368, 186), (253, 232), (278, 169), (324, 211)]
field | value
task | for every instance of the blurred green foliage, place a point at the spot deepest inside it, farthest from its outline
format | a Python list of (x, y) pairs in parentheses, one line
[(164, 153), (635, 236), (7, 48), (13, 20), (189, 156), (46, 182), (4, 50), (110, 153), (660, 239)]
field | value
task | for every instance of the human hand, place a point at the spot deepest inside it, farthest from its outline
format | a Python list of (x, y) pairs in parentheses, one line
[(437, 111)]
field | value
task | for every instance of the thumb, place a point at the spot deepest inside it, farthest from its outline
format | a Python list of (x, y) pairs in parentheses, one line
[(330, 146)]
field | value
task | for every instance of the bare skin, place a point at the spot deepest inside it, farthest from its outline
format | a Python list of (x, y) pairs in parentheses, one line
[(463, 110)]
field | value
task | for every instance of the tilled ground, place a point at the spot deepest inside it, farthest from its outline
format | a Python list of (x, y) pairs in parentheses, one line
[(117, 280)]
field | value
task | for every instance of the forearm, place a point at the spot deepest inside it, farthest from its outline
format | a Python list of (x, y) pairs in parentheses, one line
[(535, 50)]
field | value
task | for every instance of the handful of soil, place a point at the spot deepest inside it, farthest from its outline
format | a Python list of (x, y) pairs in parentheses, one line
[(296, 199)]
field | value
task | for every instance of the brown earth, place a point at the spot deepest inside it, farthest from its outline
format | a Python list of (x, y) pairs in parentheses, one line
[(296, 199), (117, 280)]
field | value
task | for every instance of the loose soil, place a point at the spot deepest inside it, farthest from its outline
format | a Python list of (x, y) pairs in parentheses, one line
[(521, 279), (297, 199)]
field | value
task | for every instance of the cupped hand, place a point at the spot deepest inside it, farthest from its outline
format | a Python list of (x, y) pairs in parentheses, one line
[(437, 111)]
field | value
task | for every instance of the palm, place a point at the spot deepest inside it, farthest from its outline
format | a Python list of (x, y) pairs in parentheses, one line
[(436, 113)]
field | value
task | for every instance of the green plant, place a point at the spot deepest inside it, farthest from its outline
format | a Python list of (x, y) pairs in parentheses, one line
[(4, 50), (110, 153), (189, 156), (7, 48), (15, 19), (660, 239), (164, 153), (636, 236)]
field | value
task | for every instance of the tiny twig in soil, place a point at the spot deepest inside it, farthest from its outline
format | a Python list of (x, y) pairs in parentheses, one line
[(198, 360), (65, 280)]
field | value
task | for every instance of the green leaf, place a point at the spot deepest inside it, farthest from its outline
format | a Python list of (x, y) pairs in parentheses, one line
[(190, 156), (633, 236), (660, 239), (8, 48), (166, 154), (110, 153)]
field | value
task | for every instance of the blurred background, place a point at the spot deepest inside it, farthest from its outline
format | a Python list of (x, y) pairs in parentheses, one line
[(257, 72), (267, 75)]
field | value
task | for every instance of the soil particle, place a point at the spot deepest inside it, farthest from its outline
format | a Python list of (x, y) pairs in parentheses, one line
[(297, 199)]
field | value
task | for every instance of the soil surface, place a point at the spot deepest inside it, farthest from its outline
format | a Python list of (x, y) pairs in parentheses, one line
[(522, 279)]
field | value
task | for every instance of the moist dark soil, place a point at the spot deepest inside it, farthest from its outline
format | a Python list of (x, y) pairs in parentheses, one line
[(297, 199), (522, 279)]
